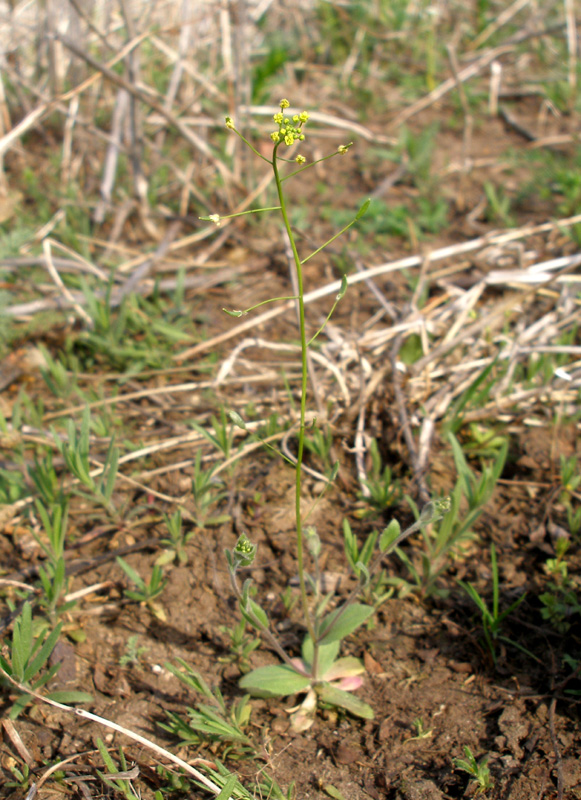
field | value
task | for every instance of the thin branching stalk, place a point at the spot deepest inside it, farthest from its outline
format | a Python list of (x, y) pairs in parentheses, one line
[(304, 375)]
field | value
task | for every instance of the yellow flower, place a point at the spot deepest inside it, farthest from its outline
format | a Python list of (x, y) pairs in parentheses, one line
[(303, 116), (296, 118), (215, 218), (229, 123), (289, 139), (284, 103), (278, 118), (300, 159), (275, 136), (343, 148)]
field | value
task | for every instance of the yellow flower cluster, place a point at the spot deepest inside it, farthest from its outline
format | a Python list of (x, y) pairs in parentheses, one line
[(289, 130)]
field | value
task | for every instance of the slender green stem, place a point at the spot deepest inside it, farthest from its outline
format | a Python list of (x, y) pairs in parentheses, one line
[(332, 239), (262, 303), (308, 166), (301, 444), (266, 632), (254, 150), (330, 314), (220, 217)]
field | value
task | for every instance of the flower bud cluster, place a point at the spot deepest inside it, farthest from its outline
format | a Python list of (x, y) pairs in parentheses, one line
[(289, 128)]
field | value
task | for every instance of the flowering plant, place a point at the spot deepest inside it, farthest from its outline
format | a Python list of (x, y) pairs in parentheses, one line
[(319, 674)]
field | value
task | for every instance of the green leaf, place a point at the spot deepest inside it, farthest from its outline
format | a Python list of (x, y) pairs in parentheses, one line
[(228, 788), (72, 696), (254, 612), (112, 465), (22, 642), (363, 209), (368, 548), (43, 654), (237, 420), (166, 557), (332, 791), (389, 535), (343, 288), (133, 576), (347, 667), (342, 699), (350, 543), (326, 656), (348, 620), (277, 680)]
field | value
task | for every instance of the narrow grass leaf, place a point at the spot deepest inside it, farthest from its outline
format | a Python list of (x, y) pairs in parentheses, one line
[(72, 696), (43, 654), (228, 788), (133, 576)]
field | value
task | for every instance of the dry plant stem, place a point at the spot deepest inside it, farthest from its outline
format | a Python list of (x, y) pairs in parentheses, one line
[(47, 106), (450, 83), (182, 129), (58, 281), (450, 251), (498, 23), (405, 423), (107, 723), (572, 48), (482, 324)]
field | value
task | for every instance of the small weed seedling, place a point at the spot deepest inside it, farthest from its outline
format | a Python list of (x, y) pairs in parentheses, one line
[(562, 598), (55, 375), (75, 451), (176, 543), (207, 491), (123, 782), (22, 778), (375, 590), (382, 491), (210, 721), (53, 580), (477, 770), (223, 437), (320, 443), (26, 664), (570, 481), (492, 617), (133, 653), (320, 674), (440, 544), (241, 645), (145, 592), (420, 731)]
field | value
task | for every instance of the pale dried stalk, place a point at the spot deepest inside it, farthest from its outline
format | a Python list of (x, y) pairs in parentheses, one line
[(107, 723), (383, 269)]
